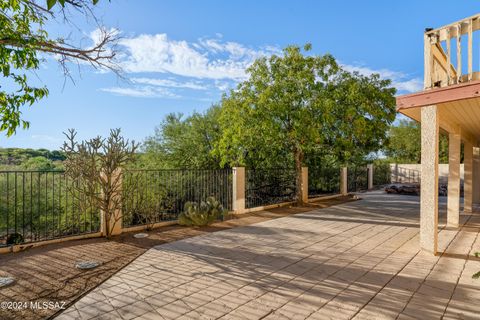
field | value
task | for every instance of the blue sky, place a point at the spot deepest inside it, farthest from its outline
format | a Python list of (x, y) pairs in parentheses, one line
[(181, 55)]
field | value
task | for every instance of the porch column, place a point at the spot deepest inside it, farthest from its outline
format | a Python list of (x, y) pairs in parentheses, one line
[(429, 179), (468, 176), (238, 192), (476, 176), (453, 200)]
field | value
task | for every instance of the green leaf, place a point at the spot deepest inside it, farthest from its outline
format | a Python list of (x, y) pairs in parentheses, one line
[(62, 2), (476, 275), (6, 70), (95, 2), (51, 3)]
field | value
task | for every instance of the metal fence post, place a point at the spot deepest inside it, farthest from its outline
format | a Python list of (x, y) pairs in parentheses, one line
[(343, 181), (238, 189), (370, 175)]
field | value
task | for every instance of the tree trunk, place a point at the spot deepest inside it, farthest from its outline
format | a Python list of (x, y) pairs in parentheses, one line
[(299, 179)]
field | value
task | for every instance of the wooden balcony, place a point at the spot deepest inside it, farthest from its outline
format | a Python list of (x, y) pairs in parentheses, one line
[(448, 56)]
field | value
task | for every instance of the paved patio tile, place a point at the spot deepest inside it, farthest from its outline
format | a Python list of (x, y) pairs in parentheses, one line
[(358, 260)]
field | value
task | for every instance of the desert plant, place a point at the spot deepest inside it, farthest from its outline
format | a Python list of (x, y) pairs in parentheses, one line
[(96, 165), (201, 214)]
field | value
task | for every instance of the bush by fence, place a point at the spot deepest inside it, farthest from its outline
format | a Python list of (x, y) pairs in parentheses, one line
[(269, 186), (357, 178), (323, 181), (381, 174), (42, 205), (160, 195)]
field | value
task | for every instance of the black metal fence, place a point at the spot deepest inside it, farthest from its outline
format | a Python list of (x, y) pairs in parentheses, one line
[(269, 186), (381, 174), (323, 181), (151, 196), (406, 175), (357, 178), (42, 205)]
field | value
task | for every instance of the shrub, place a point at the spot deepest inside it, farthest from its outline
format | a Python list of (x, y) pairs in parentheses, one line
[(201, 214)]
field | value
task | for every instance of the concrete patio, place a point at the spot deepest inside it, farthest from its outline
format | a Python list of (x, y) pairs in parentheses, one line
[(359, 260)]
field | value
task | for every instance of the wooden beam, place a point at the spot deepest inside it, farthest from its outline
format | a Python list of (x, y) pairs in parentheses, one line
[(441, 57), (442, 33), (439, 95)]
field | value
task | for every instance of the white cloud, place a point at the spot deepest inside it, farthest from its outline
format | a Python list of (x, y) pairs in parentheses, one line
[(205, 64), (203, 59), (142, 92), (171, 83), (45, 138), (401, 81)]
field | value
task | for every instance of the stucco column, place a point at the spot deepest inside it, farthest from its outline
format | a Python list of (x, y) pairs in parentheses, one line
[(304, 184), (238, 189), (370, 176), (453, 211), (343, 181), (429, 179), (115, 218), (476, 176), (468, 176)]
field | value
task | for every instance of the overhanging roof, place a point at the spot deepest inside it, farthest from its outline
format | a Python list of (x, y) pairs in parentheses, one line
[(458, 106)]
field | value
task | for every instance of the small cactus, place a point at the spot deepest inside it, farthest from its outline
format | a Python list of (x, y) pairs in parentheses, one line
[(201, 214)]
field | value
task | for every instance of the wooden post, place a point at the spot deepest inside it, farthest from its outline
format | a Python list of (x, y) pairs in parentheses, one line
[(238, 189), (428, 61), (429, 179), (459, 52), (470, 50), (344, 181)]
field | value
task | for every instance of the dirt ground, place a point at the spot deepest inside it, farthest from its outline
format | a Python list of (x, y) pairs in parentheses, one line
[(48, 273)]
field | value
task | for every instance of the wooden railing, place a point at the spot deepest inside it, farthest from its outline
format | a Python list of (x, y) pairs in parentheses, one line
[(448, 59)]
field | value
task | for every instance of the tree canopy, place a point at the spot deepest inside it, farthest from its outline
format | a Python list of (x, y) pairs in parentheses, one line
[(184, 142), (405, 143), (296, 105), (23, 37)]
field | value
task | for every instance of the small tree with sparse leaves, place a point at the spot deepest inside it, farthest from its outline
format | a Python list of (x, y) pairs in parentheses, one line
[(95, 166)]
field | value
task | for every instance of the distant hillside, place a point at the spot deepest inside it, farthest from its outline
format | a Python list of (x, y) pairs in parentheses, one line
[(18, 157)]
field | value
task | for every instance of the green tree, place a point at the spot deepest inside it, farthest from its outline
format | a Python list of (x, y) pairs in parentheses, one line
[(184, 142), (38, 163), (404, 144), (297, 104), (23, 37)]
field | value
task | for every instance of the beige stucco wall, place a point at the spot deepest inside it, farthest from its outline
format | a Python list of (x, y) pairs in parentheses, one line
[(411, 172)]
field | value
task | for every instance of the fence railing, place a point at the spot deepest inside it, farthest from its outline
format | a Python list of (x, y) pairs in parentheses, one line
[(357, 178), (269, 186), (407, 175), (382, 174), (323, 181), (42, 205), (152, 196)]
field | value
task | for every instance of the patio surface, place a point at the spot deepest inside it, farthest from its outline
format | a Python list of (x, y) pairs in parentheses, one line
[(357, 260)]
